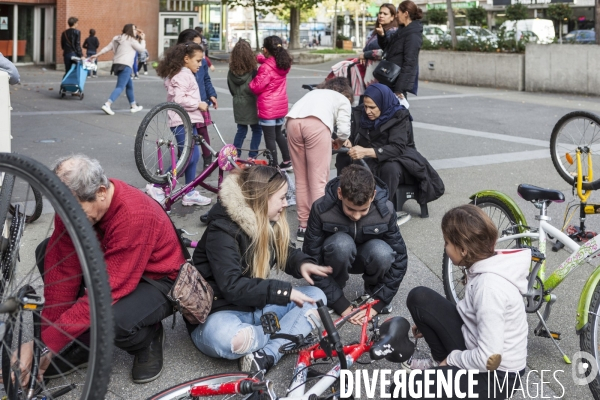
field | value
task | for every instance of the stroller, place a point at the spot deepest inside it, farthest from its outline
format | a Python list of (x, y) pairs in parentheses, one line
[(74, 80)]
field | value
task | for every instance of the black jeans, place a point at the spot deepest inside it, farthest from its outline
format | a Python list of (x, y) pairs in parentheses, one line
[(274, 138), (373, 259), (390, 172), (440, 323), (68, 62), (136, 315)]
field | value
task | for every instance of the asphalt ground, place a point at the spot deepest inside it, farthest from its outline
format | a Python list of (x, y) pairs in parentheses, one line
[(475, 137)]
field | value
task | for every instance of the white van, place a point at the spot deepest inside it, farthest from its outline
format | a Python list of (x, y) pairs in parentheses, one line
[(542, 28)]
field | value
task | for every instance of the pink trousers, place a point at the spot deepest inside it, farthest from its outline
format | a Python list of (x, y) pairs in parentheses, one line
[(309, 141)]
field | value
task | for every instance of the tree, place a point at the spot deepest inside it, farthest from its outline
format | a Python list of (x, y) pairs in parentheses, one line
[(559, 12), (294, 7), (437, 16), (517, 11), (476, 15), (451, 23)]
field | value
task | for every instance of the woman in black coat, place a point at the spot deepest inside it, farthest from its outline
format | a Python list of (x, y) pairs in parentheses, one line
[(381, 134), (402, 48)]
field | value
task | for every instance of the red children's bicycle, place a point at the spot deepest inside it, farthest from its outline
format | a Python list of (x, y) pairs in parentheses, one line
[(388, 340)]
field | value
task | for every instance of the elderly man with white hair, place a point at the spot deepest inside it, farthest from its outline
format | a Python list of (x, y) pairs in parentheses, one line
[(138, 240)]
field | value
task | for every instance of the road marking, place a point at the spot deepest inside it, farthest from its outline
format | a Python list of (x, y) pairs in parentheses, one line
[(488, 159), (311, 70), (454, 96), (486, 135), (98, 112)]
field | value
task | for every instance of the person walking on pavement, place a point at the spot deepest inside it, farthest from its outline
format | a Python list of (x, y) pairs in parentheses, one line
[(70, 41), (91, 45), (125, 46)]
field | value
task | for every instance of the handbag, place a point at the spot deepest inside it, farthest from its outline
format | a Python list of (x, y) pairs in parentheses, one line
[(190, 294), (386, 72)]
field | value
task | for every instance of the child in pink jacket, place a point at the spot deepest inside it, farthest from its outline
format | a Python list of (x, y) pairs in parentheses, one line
[(270, 87), (178, 67)]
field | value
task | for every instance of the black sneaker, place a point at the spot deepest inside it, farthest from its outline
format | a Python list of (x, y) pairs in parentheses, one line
[(286, 166), (300, 234), (70, 360), (255, 362), (148, 363), (386, 310)]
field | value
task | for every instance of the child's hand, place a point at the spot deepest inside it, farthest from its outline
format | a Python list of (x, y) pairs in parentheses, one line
[(202, 106), (416, 333), (214, 101)]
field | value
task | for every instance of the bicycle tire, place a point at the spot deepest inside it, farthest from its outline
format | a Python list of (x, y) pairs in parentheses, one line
[(181, 391), (37, 209), (5, 194), (504, 220), (155, 127), (589, 340), (93, 271), (584, 130)]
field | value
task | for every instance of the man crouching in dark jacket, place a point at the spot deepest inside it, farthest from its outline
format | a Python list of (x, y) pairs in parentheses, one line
[(353, 229)]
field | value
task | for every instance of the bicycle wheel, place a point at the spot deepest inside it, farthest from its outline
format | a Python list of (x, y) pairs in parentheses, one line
[(182, 391), (25, 302), (154, 140), (574, 130), (32, 210), (505, 221), (589, 340)]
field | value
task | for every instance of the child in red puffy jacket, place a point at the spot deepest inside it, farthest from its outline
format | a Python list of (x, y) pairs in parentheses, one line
[(270, 86)]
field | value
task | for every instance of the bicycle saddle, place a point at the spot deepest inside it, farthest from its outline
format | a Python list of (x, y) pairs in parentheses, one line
[(394, 344), (534, 193)]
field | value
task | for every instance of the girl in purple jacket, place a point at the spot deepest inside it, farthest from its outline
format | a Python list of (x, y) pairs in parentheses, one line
[(270, 87)]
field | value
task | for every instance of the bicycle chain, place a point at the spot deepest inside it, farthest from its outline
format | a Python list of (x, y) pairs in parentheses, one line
[(11, 254), (292, 348)]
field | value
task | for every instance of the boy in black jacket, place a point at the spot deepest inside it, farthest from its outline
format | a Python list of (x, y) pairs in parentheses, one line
[(353, 230)]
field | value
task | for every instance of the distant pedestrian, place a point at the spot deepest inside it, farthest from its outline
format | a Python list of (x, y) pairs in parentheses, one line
[(270, 87), (319, 39), (125, 47), (70, 42), (143, 61), (242, 68), (91, 45)]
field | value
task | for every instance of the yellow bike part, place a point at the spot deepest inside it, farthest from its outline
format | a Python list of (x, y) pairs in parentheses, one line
[(590, 177)]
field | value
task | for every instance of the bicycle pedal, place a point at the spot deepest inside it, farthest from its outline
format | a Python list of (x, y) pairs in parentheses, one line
[(553, 335)]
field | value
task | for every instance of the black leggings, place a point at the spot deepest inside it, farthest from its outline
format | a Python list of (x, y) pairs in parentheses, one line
[(142, 64), (440, 323), (274, 138)]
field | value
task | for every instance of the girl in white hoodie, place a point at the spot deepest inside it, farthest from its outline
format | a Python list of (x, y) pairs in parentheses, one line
[(487, 329)]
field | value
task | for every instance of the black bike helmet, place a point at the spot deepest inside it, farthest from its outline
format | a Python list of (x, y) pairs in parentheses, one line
[(394, 345)]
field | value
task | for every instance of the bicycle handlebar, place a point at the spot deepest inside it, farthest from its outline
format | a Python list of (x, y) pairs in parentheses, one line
[(332, 333), (345, 150)]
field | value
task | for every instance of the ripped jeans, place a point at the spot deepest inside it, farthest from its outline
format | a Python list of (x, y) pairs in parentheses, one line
[(216, 336)]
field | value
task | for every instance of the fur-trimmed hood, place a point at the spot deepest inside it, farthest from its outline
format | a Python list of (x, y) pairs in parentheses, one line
[(234, 203)]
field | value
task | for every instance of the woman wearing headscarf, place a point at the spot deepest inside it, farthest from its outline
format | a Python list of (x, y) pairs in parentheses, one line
[(382, 135)]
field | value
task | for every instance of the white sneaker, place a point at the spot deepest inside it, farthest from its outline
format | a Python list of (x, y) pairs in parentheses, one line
[(156, 193), (145, 73), (195, 199), (136, 109), (402, 217), (107, 110), (419, 364)]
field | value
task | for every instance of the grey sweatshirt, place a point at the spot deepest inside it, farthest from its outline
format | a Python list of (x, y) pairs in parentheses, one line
[(495, 323), (7, 66), (125, 48)]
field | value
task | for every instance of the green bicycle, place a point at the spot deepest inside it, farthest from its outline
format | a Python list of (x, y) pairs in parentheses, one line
[(572, 146)]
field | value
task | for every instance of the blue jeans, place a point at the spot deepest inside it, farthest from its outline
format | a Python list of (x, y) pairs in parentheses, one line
[(372, 259), (190, 170), (124, 82), (240, 136), (214, 337)]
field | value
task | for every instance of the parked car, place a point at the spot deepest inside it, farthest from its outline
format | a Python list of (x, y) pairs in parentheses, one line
[(542, 28), (433, 33), (580, 37), (474, 32)]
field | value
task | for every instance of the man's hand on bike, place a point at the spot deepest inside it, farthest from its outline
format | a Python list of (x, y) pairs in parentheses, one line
[(202, 106), (359, 318), (337, 143), (300, 298), (416, 333), (308, 269), (26, 361), (214, 101)]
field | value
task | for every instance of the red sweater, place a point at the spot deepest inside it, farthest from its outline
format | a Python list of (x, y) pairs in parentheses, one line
[(137, 238)]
